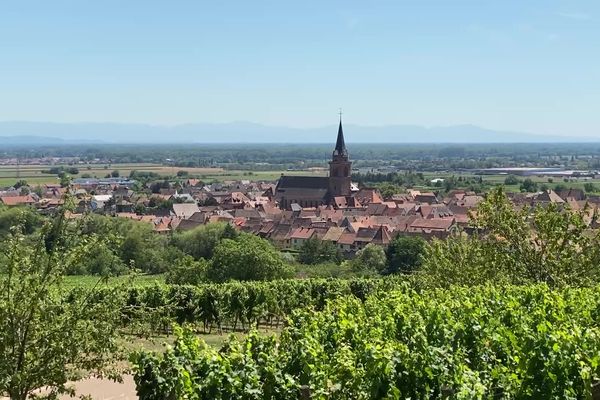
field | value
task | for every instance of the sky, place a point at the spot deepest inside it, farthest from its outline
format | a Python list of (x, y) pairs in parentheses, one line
[(528, 66)]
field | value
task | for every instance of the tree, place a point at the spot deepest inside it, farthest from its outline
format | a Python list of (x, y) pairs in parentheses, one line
[(47, 338), (115, 174), (549, 245), (316, 251), (371, 258), (388, 189), (560, 187), (201, 241), (26, 217), (65, 179), (187, 271), (528, 185), (20, 183), (511, 180), (246, 258), (404, 254), (589, 187)]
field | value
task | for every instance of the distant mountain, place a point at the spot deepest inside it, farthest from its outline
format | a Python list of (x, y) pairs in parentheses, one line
[(248, 132)]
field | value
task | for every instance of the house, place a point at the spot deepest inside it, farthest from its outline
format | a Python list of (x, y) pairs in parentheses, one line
[(12, 201), (300, 235), (185, 210)]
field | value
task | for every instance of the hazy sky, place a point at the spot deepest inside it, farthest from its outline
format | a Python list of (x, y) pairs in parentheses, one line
[(520, 65)]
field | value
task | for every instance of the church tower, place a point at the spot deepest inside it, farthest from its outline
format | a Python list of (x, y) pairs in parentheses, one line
[(340, 168)]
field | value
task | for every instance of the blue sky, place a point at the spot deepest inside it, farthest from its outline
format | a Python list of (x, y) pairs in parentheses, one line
[(531, 66)]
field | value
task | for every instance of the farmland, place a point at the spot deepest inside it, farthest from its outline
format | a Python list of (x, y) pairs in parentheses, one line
[(34, 174)]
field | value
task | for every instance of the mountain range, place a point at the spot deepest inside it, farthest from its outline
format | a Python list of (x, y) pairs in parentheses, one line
[(42, 133)]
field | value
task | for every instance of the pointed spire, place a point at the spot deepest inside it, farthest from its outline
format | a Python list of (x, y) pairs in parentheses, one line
[(340, 145)]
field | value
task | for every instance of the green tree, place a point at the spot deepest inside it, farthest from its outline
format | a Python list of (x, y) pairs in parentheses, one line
[(65, 179), (316, 251), (246, 258), (115, 174), (46, 341), (201, 241), (187, 271), (549, 245), (404, 254), (511, 180), (560, 187), (388, 189), (528, 185), (589, 187), (26, 217), (20, 183), (371, 258)]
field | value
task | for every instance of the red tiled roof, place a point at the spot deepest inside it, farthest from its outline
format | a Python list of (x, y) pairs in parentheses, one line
[(302, 233), (17, 200)]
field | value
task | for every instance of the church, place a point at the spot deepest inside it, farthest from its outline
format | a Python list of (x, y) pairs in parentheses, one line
[(314, 191)]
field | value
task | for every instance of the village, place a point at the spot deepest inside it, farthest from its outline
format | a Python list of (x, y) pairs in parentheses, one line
[(350, 222)]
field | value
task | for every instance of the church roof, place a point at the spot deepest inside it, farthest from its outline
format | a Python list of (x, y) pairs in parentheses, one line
[(304, 182)]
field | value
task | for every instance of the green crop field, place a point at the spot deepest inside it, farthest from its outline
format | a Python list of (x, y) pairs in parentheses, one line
[(88, 281)]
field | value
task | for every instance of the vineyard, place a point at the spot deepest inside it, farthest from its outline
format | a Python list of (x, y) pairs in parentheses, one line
[(385, 340), (232, 306)]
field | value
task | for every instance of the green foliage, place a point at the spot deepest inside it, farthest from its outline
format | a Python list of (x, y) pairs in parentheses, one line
[(187, 271), (467, 343), (371, 258), (20, 183), (26, 217), (589, 187), (560, 187), (326, 270), (246, 258), (550, 245), (404, 254), (388, 189), (153, 308), (46, 336), (315, 251), (102, 262), (529, 185), (133, 242), (201, 241), (511, 180)]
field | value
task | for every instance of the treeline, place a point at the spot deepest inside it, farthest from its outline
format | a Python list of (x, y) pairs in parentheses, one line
[(277, 156), (467, 343)]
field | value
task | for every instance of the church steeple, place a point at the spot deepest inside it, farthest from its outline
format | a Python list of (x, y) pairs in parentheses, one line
[(340, 144), (340, 167)]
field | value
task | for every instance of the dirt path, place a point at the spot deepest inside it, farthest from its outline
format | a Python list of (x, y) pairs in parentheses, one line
[(101, 389)]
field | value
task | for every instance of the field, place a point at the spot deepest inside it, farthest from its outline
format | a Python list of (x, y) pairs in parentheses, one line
[(498, 179), (10, 174), (89, 281)]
